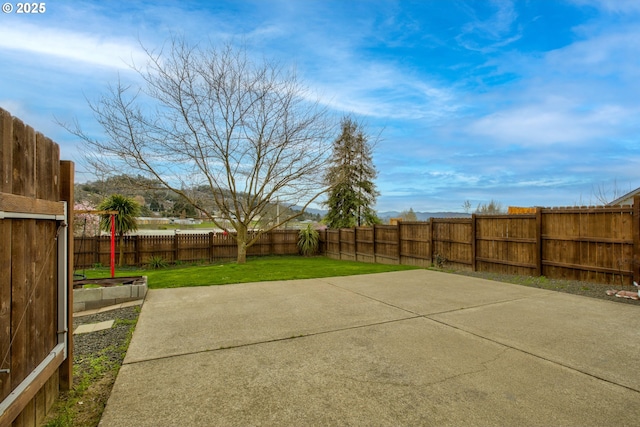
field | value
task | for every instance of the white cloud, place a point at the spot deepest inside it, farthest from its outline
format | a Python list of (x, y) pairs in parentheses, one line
[(76, 46), (387, 91), (545, 125)]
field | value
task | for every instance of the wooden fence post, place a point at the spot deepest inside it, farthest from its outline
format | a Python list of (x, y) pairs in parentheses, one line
[(636, 239), (473, 242), (355, 243), (538, 241), (67, 194), (96, 249), (431, 240), (375, 249), (211, 242), (399, 242), (136, 251), (176, 248)]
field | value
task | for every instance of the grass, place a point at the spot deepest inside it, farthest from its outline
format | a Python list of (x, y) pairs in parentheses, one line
[(94, 375), (258, 269)]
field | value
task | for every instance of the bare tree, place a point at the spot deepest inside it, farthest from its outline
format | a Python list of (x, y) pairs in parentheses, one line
[(605, 194), (211, 118), (409, 215), (491, 208)]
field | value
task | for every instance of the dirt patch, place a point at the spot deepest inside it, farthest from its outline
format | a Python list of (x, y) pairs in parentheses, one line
[(575, 287)]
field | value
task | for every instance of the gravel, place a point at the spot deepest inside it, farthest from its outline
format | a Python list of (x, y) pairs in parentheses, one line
[(112, 342)]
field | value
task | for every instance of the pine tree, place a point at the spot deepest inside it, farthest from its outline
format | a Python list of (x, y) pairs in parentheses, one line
[(352, 192)]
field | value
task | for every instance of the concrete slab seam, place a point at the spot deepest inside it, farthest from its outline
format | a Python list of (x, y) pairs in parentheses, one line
[(427, 316), (537, 356), (431, 314), (313, 334)]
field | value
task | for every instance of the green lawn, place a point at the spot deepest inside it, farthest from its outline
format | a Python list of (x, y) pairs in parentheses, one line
[(258, 269)]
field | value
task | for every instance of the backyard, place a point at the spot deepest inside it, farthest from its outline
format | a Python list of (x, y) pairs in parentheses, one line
[(99, 355)]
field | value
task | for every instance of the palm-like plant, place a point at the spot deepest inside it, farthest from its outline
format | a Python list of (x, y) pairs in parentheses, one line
[(128, 209), (308, 240)]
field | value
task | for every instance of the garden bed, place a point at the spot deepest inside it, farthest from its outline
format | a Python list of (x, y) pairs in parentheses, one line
[(109, 291)]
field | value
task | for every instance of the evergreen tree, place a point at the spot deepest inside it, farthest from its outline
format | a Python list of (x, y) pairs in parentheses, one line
[(352, 192)]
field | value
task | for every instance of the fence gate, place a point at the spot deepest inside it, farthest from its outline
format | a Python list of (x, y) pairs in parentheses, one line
[(35, 347)]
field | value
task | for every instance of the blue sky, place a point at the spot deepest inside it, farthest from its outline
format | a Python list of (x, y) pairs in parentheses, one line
[(529, 103)]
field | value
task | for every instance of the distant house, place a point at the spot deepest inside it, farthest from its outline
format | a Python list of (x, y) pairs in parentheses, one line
[(626, 200)]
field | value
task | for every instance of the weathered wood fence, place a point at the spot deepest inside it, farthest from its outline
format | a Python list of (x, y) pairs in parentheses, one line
[(600, 245), (181, 247), (35, 266)]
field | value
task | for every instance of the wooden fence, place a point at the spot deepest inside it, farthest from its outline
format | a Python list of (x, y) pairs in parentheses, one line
[(35, 292), (600, 245), (182, 247)]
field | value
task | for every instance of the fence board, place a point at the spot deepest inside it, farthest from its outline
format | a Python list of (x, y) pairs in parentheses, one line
[(592, 244), (30, 184), (19, 344), (506, 244), (600, 245), (365, 243), (387, 244), (415, 244), (452, 241), (5, 306), (181, 248), (6, 152)]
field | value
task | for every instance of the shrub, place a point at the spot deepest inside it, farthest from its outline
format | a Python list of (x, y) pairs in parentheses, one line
[(157, 262), (308, 241)]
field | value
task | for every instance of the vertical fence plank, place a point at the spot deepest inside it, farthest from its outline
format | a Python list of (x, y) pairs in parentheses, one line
[(6, 186), (594, 244), (538, 247), (6, 152), (399, 241), (472, 237), (67, 174), (585, 244), (35, 307), (636, 239), (5, 306), (19, 345), (29, 167)]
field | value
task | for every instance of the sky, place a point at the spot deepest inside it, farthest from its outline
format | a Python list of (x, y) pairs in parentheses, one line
[(524, 102)]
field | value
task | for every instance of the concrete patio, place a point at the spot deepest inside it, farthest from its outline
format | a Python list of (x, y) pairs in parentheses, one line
[(407, 348)]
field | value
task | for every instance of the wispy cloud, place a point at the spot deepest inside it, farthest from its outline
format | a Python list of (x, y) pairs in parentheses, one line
[(611, 6), (80, 47), (546, 124), (526, 102), (488, 34)]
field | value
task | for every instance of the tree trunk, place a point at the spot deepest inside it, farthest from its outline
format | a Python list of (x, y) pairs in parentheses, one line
[(242, 236), (242, 253)]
